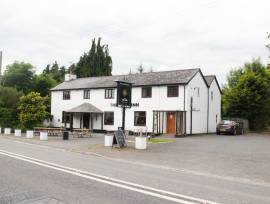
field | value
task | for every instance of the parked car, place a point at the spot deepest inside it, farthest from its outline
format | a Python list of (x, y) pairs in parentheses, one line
[(230, 127)]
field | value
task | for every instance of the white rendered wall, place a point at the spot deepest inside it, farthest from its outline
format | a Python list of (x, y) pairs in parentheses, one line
[(214, 107), (158, 101), (199, 113)]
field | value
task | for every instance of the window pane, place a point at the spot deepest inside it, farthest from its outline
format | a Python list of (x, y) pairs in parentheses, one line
[(139, 118), (146, 92), (66, 95), (108, 118), (86, 94), (172, 91)]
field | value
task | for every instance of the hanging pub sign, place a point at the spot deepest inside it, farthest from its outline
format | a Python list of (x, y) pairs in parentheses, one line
[(124, 94)]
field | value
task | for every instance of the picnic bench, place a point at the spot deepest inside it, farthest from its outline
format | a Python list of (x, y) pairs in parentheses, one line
[(50, 131), (81, 132)]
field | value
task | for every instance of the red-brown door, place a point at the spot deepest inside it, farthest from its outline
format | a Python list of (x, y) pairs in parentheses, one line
[(171, 122)]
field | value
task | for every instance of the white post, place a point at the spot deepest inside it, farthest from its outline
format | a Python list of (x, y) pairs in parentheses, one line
[(43, 136), (18, 133), (7, 131), (29, 134)]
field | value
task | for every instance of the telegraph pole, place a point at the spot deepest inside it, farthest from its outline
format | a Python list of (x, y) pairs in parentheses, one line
[(1, 54)]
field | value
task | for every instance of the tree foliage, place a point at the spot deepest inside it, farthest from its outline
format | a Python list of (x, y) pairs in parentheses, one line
[(19, 75), (247, 94), (56, 72), (32, 110), (97, 62), (9, 98), (43, 83)]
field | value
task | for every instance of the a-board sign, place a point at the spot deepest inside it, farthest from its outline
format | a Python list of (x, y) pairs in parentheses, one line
[(119, 138), (123, 94)]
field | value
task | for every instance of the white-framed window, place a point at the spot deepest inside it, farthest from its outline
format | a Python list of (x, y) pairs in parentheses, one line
[(66, 95), (109, 93), (108, 118), (86, 94), (212, 95)]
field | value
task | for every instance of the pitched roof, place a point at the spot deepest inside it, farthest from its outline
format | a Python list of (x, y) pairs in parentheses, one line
[(85, 108), (142, 79), (209, 79)]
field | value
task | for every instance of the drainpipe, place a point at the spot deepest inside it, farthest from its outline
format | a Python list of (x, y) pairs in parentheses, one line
[(208, 110)]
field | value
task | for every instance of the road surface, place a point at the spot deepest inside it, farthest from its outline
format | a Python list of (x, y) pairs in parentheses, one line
[(40, 174)]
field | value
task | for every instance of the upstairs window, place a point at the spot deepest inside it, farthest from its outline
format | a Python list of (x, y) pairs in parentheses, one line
[(146, 92), (66, 95), (172, 91), (108, 118), (139, 118), (86, 94), (109, 93), (212, 95)]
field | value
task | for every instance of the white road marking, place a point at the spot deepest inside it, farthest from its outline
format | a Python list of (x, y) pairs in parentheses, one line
[(186, 171), (178, 198)]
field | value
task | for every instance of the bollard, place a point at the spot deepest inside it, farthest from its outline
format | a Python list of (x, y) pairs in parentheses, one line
[(29, 134), (0, 130), (43, 136), (7, 131), (18, 133)]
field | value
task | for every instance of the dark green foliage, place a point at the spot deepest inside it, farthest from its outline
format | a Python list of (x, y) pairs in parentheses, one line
[(57, 73), (9, 98), (97, 62), (19, 75), (248, 95), (43, 83)]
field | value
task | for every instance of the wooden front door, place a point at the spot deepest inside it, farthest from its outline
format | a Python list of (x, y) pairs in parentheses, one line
[(171, 124)]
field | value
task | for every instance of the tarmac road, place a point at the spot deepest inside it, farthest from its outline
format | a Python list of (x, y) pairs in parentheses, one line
[(39, 174)]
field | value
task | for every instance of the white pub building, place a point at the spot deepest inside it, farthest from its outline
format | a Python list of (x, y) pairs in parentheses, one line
[(177, 102)]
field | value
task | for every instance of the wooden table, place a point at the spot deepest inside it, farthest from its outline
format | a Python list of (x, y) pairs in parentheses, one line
[(50, 131), (81, 132)]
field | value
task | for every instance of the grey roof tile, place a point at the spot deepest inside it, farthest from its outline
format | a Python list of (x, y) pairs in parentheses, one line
[(85, 108), (209, 79), (142, 79)]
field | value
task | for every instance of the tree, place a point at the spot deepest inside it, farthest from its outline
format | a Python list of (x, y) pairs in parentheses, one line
[(268, 45), (56, 72), (97, 62), (247, 94), (32, 110), (19, 75), (9, 98), (43, 83)]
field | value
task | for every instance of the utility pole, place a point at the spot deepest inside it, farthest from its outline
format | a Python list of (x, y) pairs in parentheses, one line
[(1, 54)]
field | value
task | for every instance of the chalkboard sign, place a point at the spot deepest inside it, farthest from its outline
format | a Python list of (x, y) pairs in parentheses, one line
[(119, 138)]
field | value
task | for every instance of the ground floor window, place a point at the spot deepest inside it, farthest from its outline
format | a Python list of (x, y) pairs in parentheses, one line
[(108, 118), (65, 117), (139, 118)]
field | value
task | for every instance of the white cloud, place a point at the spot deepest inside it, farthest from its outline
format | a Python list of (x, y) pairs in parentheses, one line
[(215, 35)]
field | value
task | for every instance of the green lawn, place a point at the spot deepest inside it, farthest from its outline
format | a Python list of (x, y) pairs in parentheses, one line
[(155, 140)]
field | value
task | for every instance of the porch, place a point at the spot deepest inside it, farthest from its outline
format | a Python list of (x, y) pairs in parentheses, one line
[(169, 122), (84, 116)]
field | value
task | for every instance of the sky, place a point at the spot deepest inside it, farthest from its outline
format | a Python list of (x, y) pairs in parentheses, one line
[(214, 35)]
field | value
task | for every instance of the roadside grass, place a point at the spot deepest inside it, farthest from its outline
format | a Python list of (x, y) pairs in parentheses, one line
[(156, 140)]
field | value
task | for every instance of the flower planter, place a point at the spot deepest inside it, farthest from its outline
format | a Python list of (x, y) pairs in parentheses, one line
[(29, 134), (108, 140), (7, 131), (18, 133), (140, 142), (43, 136)]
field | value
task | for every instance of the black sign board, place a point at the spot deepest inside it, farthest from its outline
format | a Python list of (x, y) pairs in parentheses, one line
[(123, 94), (119, 138)]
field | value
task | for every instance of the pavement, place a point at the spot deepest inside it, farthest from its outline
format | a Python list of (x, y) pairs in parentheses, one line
[(225, 169)]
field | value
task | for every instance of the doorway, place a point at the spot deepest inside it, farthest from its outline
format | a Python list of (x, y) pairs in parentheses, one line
[(86, 120), (171, 123)]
